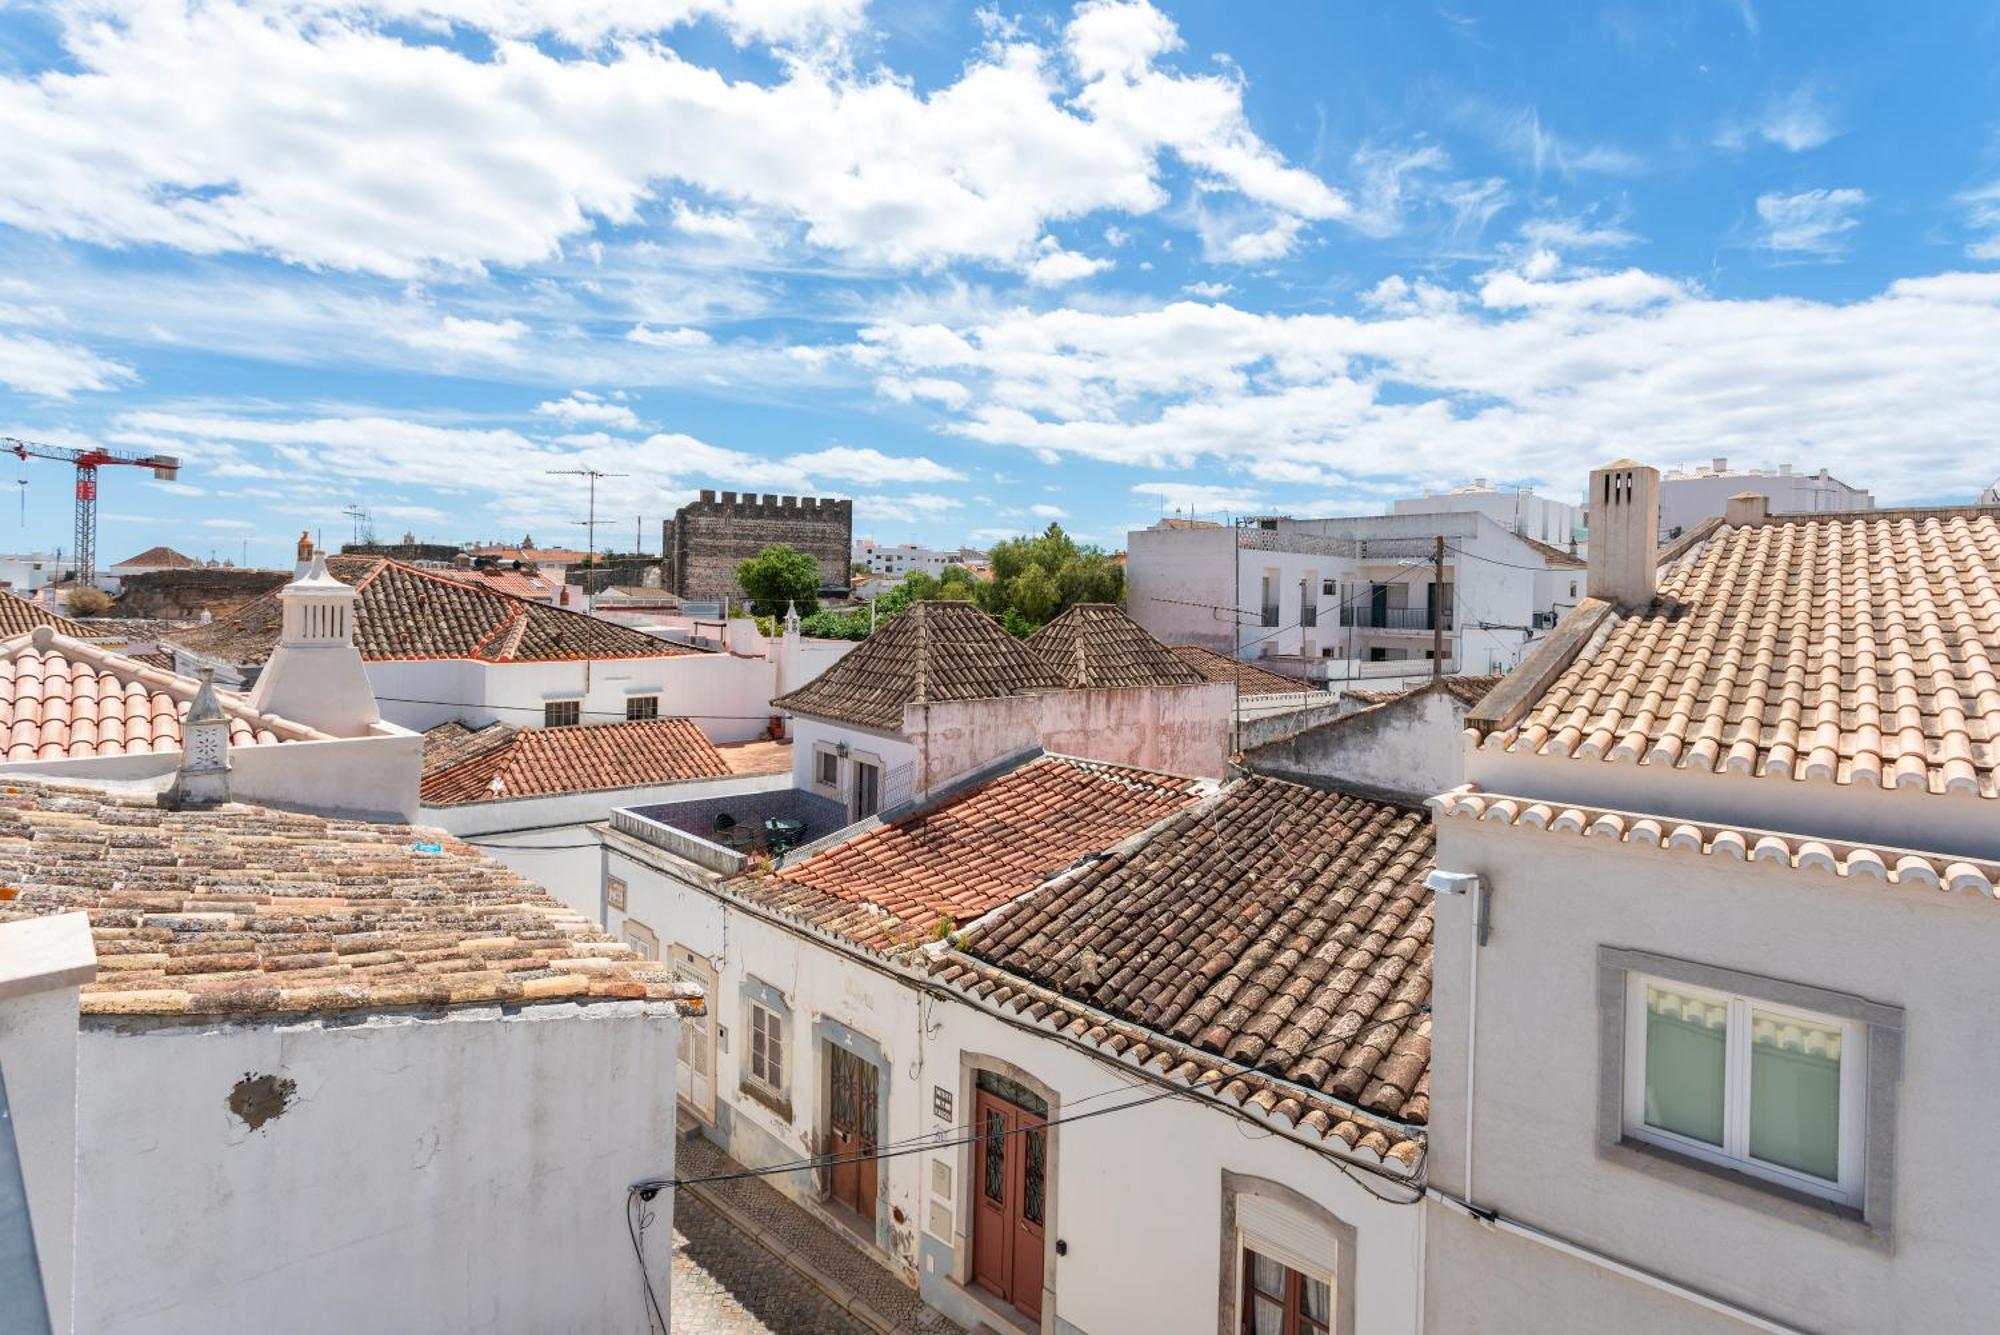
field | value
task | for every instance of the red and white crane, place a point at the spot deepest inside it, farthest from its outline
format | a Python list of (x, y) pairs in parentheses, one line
[(87, 462)]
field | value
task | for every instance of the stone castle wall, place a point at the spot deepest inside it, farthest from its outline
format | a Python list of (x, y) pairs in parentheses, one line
[(706, 539), (177, 595)]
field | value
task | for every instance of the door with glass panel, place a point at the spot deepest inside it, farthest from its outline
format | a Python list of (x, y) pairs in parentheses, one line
[(1278, 1300), (694, 1060), (851, 1131), (1010, 1191)]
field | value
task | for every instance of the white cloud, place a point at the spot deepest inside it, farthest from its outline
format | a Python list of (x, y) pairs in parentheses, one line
[(1532, 377), (1054, 266), (1795, 121), (588, 21), (869, 467), (1048, 512), (1812, 222), (583, 407), (227, 523), (56, 369), (134, 139), (1575, 233), (1982, 214), (1194, 498), (669, 338), (452, 333), (1208, 291)]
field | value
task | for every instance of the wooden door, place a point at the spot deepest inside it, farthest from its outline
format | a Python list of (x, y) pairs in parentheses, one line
[(1010, 1201), (851, 1131)]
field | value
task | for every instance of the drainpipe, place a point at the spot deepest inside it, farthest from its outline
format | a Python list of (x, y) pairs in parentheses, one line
[(1468, 883)]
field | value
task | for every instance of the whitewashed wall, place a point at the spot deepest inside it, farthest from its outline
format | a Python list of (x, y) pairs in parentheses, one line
[(1555, 899), (448, 1173)]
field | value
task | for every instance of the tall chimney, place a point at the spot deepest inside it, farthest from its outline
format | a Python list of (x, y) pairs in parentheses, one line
[(315, 676), (203, 778), (1624, 534)]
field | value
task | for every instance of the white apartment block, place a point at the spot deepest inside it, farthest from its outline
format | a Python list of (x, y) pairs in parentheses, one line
[(1690, 495), (25, 572), (1328, 599), (1517, 509), (902, 558)]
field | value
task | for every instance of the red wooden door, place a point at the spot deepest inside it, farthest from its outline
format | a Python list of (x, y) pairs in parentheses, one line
[(1010, 1179), (851, 1131)]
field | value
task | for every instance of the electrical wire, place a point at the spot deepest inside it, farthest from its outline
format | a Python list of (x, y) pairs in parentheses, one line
[(635, 1204)]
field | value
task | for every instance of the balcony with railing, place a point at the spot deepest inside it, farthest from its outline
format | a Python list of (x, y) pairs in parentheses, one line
[(1393, 618)]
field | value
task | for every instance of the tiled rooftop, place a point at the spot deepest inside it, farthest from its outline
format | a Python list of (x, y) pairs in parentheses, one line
[(930, 654), (1095, 645), (159, 558), (1468, 689), (1277, 926), (537, 762), (1557, 558), (760, 757), (893, 884), (65, 699), (244, 911), (406, 613), (1251, 680), (1854, 648), (515, 583), (18, 616)]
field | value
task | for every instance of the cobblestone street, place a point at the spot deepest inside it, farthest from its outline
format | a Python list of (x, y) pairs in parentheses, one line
[(726, 1283)]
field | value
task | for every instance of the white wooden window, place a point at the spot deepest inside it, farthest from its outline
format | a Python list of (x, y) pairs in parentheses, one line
[(1768, 1090), (640, 707), (767, 1048), (562, 713)]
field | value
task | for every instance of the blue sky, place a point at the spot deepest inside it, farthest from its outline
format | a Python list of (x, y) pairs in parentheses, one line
[(981, 268)]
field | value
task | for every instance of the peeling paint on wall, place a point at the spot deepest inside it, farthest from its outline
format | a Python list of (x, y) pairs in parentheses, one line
[(259, 1098)]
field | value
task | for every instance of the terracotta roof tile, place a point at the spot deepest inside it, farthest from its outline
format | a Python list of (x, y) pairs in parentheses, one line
[(894, 884), (1095, 645), (1252, 680), (453, 743), (1855, 648), (18, 616), (164, 558), (515, 583), (532, 762), (1469, 689), (1277, 927), (931, 653), (405, 613), (1557, 558), (243, 910), (64, 699)]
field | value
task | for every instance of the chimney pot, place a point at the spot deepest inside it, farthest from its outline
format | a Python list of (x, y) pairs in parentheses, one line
[(1747, 507), (1624, 534)]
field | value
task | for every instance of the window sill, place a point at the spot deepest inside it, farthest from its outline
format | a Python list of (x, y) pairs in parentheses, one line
[(1842, 1222), (764, 1098)]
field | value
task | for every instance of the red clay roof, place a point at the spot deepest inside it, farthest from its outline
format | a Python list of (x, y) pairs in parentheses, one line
[(245, 910), (1095, 645), (536, 762), (405, 613), (164, 558), (1252, 680), (516, 583), (65, 699), (893, 884), (18, 616)]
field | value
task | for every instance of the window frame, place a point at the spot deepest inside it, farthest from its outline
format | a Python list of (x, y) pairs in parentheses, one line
[(823, 752), (766, 1026), (573, 705), (1871, 1222), (1291, 1302), (647, 705), (1734, 1152), (1284, 1225)]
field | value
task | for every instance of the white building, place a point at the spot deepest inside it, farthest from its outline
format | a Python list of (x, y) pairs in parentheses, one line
[(1723, 878), (439, 649), (409, 1092), (26, 572), (1519, 510), (1339, 599), (902, 558), (838, 1028), (1690, 495)]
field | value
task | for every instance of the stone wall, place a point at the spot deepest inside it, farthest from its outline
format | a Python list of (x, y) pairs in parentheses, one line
[(183, 595), (706, 539), (403, 551)]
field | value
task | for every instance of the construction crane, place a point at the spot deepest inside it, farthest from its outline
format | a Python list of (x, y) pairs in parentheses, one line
[(87, 462)]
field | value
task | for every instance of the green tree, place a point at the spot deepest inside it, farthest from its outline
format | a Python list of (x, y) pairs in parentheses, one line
[(777, 576)]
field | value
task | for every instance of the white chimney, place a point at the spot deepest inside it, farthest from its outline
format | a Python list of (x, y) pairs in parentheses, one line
[(1624, 534), (203, 779), (315, 676)]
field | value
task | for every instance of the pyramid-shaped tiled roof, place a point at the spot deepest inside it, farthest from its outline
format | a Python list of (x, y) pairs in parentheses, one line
[(405, 613), (1095, 645), (534, 762), (932, 653), (161, 558)]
